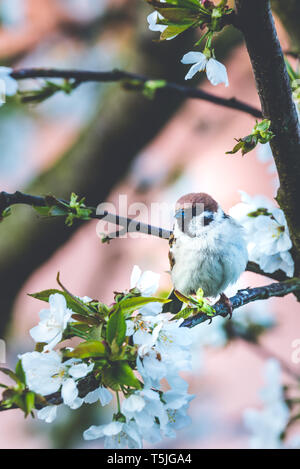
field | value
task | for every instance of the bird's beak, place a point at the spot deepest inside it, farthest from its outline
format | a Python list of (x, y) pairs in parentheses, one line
[(179, 213)]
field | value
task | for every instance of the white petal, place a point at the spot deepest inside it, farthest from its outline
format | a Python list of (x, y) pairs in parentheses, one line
[(216, 72), (57, 301), (76, 403), (135, 276), (11, 86), (85, 299), (69, 391), (48, 414), (112, 428), (102, 394), (193, 58), (129, 328), (198, 67), (148, 283), (134, 403), (93, 433), (42, 333), (152, 21), (81, 370), (4, 71), (42, 371), (151, 309)]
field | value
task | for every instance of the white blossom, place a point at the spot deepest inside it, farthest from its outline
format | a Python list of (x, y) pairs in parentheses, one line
[(46, 374), (85, 299), (8, 85), (153, 23), (216, 72), (166, 338), (266, 232), (52, 322), (147, 283), (118, 435), (101, 394), (267, 425), (47, 414)]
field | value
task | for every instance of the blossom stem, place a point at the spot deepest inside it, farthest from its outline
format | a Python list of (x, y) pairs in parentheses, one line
[(118, 402)]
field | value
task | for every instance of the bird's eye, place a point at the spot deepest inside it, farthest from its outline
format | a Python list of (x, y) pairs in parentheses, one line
[(207, 219)]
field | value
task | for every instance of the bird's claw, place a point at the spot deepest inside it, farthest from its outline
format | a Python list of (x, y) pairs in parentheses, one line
[(224, 299)]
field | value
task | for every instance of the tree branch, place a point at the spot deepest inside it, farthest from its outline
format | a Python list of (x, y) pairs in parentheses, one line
[(129, 225), (84, 76), (243, 297), (272, 81)]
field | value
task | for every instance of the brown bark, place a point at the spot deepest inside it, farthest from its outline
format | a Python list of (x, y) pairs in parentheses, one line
[(256, 22)]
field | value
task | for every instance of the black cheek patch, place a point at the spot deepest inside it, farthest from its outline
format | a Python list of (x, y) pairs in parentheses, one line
[(208, 219)]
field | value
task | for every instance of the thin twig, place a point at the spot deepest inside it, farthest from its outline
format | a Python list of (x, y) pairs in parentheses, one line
[(83, 76), (264, 353)]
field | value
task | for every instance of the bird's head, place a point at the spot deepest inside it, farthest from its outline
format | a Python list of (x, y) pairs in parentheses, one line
[(195, 212)]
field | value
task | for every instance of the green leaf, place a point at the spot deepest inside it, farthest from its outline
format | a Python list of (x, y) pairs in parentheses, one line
[(193, 4), (174, 30), (128, 305), (20, 372), (12, 375), (184, 313), (88, 349), (44, 211), (20, 401), (121, 373), (116, 327), (6, 213), (85, 319), (179, 15), (58, 212), (109, 379), (71, 303), (29, 402), (151, 86), (182, 297)]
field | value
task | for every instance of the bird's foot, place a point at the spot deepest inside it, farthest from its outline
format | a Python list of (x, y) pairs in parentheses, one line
[(224, 299)]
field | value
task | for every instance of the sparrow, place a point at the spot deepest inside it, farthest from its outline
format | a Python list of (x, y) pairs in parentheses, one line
[(207, 249)]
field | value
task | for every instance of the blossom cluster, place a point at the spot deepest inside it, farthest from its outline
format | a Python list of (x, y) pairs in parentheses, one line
[(267, 426), (167, 22), (131, 350), (266, 232)]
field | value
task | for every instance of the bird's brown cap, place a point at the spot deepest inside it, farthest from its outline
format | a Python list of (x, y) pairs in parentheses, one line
[(196, 198)]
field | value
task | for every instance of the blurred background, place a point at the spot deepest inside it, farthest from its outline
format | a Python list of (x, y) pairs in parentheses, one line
[(102, 141)]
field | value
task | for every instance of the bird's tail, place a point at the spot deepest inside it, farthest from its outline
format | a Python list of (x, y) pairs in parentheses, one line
[(174, 306)]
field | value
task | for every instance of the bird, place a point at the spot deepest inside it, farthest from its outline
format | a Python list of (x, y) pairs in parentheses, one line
[(207, 249)]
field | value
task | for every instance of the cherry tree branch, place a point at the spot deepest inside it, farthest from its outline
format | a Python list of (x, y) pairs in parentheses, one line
[(245, 296), (129, 225), (84, 76), (255, 20)]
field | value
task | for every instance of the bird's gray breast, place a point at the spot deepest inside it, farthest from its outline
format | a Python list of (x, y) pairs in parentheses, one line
[(210, 262)]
